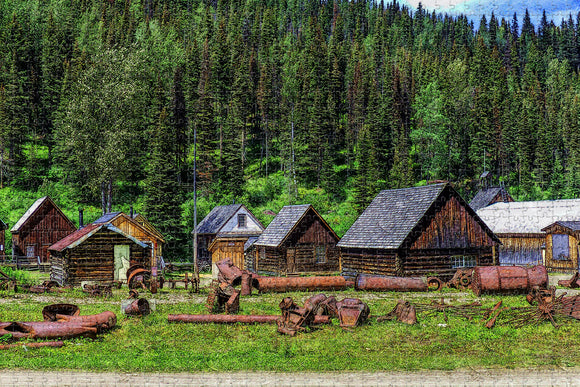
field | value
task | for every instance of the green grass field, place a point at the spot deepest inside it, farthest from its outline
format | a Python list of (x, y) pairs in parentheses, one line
[(151, 344)]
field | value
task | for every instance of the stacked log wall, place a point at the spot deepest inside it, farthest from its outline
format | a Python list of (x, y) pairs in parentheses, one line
[(368, 261)]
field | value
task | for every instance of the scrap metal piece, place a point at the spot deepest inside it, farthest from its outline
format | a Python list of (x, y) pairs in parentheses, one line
[(537, 295), (295, 319), (390, 284), (98, 290), (572, 283), (49, 312), (232, 319), (467, 311), (434, 284), (461, 279), (301, 284), (139, 307), (508, 279), (103, 321), (352, 312), (47, 330), (54, 344), (228, 272), (404, 312), (232, 305), (138, 277), (7, 282)]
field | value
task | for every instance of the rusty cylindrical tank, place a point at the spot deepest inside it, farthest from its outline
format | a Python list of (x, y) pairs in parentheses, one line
[(139, 307), (102, 321), (232, 319), (390, 284), (508, 279), (297, 284)]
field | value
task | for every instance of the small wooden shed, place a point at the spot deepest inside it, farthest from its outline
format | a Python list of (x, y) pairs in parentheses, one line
[(98, 252), (298, 240), (417, 231), (144, 231), (223, 233), (562, 246), (41, 225), (519, 227)]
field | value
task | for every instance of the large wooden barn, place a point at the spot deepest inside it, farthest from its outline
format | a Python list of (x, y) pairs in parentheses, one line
[(98, 252), (298, 240), (223, 233), (41, 225), (418, 231), (519, 227), (143, 231), (562, 246)]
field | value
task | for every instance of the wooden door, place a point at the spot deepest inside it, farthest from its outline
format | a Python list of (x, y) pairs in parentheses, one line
[(122, 255), (291, 259)]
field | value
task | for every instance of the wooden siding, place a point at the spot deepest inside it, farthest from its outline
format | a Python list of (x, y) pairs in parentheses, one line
[(140, 233), (45, 227), (452, 227), (521, 249), (441, 262), (93, 260), (569, 265), (271, 262), (368, 261), (233, 249)]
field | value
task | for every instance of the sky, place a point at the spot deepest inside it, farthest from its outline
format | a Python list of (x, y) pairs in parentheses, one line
[(474, 9)]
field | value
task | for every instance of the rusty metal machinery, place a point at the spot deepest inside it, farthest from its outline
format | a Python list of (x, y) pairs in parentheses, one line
[(572, 283), (508, 279), (390, 284), (304, 284), (138, 277), (404, 312)]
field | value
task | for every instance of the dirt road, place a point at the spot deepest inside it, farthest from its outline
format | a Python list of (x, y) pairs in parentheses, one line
[(556, 377)]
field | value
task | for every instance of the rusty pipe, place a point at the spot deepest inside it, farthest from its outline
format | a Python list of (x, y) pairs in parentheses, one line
[(49, 312), (508, 279), (47, 330), (139, 307), (304, 284), (390, 284), (54, 344), (232, 319), (102, 321)]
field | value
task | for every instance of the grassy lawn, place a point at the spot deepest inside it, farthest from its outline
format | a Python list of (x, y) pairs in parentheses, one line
[(151, 344)]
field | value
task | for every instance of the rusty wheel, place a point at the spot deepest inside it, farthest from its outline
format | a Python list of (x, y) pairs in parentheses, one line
[(139, 278)]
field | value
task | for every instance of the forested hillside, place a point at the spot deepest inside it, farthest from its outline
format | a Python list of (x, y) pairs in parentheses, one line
[(292, 101)]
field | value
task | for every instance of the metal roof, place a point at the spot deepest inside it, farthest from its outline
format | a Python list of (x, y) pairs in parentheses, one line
[(79, 236), (528, 217)]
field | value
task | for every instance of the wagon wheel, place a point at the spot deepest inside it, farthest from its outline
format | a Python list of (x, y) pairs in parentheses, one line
[(139, 278), (131, 269)]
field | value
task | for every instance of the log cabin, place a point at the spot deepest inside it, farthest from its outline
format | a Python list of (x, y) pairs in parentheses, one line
[(417, 231), (297, 241), (223, 234), (562, 246), (41, 225), (519, 227), (98, 252)]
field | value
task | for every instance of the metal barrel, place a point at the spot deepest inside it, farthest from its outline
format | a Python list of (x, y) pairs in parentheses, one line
[(139, 307), (232, 319), (246, 283), (508, 279), (390, 284), (304, 284)]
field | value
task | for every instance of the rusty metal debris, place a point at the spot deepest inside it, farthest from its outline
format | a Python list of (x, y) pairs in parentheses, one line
[(45, 287), (461, 279), (50, 312), (232, 319), (98, 290), (223, 297), (186, 280), (103, 321), (572, 283), (297, 284), (54, 344), (138, 307), (138, 277), (7, 282), (390, 284), (228, 272), (508, 279), (404, 312), (352, 312), (46, 330), (468, 311)]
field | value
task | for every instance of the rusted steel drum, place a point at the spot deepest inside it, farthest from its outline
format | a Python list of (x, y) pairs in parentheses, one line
[(232, 319), (508, 279), (390, 284), (246, 283), (301, 284), (139, 307), (102, 321), (49, 312)]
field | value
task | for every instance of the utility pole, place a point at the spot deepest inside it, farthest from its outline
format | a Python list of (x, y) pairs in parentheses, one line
[(195, 264)]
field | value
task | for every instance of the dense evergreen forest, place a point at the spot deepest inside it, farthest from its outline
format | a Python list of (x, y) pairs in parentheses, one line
[(292, 101)]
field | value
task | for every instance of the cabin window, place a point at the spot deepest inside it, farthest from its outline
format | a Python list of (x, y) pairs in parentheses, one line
[(560, 247), (30, 251), (241, 220), (463, 261), (320, 253), (262, 253)]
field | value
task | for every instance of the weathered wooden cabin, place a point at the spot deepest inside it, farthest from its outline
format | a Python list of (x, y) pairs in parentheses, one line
[(488, 196), (130, 226), (417, 231), (519, 227), (298, 240), (41, 225), (98, 252), (230, 226), (562, 246)]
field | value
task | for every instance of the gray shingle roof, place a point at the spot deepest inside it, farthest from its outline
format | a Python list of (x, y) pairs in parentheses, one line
[(528, 217), (572, 225), (107, 217), (390, 217), (484, 197), (216, 219), (281, 225)]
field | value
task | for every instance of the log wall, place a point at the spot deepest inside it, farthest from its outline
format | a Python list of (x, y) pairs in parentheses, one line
[(560, 265), (368, 261)]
